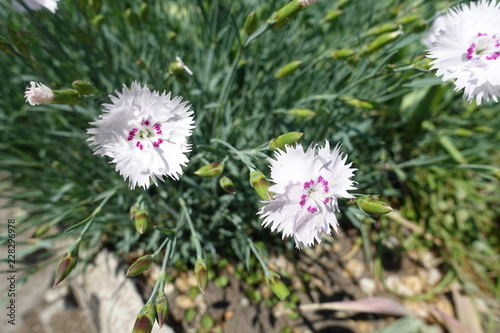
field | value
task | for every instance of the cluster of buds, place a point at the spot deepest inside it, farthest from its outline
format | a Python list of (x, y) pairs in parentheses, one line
[(38, 93)]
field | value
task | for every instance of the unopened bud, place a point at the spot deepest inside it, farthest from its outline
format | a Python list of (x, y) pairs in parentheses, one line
[(372, 205), (145, 319), (84, 87), (161, 305), (333, 14), (382, 28), (135, 207), (251, 23), (260, 184), (281, 141), (66, 265), (141, 64), (349, 100), (140, 265), (341, 4), (227, 185), (278, 287), (213, 169), (281, 17), (301, 113), (41, 230), (407, 19), (144, 11), (130, 17), (67, 96), (341, 54), (98, 20), (141, 220), (380, 42), (200, 270), (288, 69)]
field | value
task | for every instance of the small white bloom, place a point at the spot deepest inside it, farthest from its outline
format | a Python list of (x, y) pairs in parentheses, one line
[(35, 5), (307, 186), (183, 66), (306, 2), (145, 134), (465, 44), (38, 93)]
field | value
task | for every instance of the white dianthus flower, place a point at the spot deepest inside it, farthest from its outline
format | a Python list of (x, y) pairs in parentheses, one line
[(145, 134), (306, 189), (35, 5), (465, 46), (38, 93)]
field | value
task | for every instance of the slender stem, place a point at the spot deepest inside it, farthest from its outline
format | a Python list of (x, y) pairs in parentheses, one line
[(93, 215), (160, 283), (255, 251), (194, 234)]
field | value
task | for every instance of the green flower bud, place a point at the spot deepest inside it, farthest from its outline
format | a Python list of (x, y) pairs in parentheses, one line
[(419, 26), (341, 4), (333, 14), (341, 54), (227, 185), (141, 220), (349, 100), (200, 271), (380, 42), (281, 141), (144, 11), (382, 28), (281, 17), (130, 17), (145, 319), (302, 113), (98, 20), (371, 205), (66, 265), (260, 184), (288, 69), (140, 265), (68, 96), (278, 287), (251, 23), (407, 19), (161, 305), (133, 210), (213, 169), (84, 87), (41, 230), (141, 64)]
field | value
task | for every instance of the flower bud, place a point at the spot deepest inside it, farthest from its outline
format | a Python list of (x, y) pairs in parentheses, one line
[(301, 113), (281, 17), (141, 64), (333, 14), (161, 305), (145, 319), (213, 169), (67, 96), (84, 87), (278, 287), (98, 20), (371, 205), (341, 4), (141, 220), (227, 185), (200, 270), (66, 265), (382, 28), (178, 68), (349, 100), (288, 69), (260, 184), (380, 42), (251, 23), (281, 141), (140, 265), (341, 54), (38, 93), (419, 26), (135, 207), (130, 17), (144, 11)]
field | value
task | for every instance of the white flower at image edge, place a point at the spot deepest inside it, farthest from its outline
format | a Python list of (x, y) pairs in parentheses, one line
[(35, 5), (306, 189), (465, 46), (145, 134)]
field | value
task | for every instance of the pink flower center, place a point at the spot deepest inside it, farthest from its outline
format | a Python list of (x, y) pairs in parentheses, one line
[(316, 195), (146, 133), (483, 46)]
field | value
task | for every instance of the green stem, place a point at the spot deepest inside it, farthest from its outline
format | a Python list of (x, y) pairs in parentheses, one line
[(255, 251), (194, 235), (160, 283)]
